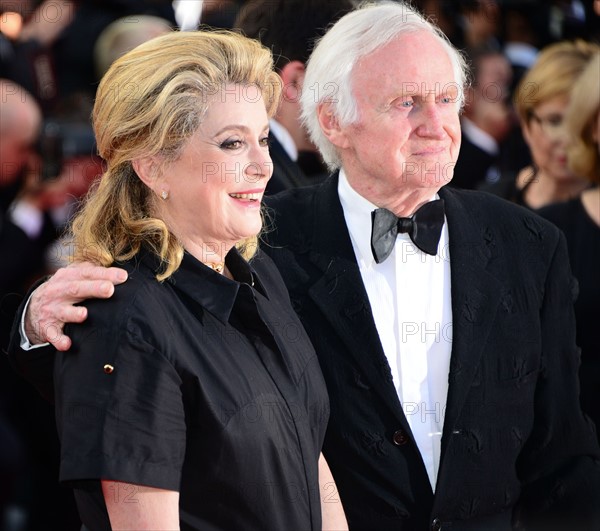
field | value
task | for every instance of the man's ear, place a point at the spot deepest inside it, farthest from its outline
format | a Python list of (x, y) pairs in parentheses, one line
[(331, 127), (147, 170), (292, 76)]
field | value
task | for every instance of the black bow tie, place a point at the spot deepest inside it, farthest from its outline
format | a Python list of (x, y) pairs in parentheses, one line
[(424, 228)]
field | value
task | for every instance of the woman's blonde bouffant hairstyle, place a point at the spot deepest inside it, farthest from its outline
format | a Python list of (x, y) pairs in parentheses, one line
[(149, 103), (580, 119), (553, 74)]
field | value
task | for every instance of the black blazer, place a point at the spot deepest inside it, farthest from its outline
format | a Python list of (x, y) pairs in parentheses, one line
[(515, 444), (286, 173), (472, 165)]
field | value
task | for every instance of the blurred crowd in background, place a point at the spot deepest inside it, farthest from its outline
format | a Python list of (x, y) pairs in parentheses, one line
[(525, 55)]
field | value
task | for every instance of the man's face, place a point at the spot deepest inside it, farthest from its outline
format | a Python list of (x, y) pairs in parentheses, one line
[(407, 137), (16, 148)]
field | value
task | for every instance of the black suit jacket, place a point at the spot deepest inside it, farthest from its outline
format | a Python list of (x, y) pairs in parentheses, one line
[(515, 444), (288, 174), (472, 165)]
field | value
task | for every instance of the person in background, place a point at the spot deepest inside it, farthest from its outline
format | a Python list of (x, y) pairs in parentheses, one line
[(22, 223), (541, 100), (447, 16), (486, 120), (125, 34), (52, 56), (20, 121), (579, 219), (481, 21), (289, 29), (524, 31), (27, 231)]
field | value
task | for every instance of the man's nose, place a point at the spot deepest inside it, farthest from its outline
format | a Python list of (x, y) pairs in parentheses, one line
[(431, 121)]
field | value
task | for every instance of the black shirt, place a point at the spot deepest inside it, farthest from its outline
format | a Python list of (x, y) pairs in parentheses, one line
[(583, 240), (215, 391)]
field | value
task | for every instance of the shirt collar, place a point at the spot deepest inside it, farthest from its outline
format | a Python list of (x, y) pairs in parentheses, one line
[(284, 138), (357, 213), (521, 54), (211, 290), (479, 137)]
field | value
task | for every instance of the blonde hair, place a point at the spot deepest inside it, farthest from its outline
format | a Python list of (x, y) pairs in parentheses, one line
[(580, 119), (553, 74), (149, 103)]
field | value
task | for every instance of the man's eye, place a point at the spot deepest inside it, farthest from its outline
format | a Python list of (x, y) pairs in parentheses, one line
[(231, 144), (406, 103), (447, 99)]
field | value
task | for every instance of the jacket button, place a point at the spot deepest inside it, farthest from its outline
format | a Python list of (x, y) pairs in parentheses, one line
[(400, 438), (436, 525)]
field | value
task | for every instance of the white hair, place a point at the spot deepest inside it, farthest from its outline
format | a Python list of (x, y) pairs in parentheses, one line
[(356, 35)]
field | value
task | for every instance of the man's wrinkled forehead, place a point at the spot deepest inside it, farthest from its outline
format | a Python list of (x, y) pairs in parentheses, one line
[(403, 68)]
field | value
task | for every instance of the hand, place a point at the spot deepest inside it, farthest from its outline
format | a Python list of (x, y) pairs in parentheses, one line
[(52, 304)]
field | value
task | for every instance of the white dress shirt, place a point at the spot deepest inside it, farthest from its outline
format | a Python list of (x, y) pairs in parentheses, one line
[(410, 299)]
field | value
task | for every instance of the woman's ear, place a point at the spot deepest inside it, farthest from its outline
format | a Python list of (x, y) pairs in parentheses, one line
[(147, 169)]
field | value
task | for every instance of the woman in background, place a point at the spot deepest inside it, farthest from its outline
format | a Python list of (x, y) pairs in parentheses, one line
[(579, 219), (541, 100)]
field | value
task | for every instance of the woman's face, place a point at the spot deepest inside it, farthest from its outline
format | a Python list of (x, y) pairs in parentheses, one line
[(545, 135), (216, 186)]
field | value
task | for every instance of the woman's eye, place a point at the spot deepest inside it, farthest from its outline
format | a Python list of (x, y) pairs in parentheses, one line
[(555, 120), (264, 141), (231, 144)]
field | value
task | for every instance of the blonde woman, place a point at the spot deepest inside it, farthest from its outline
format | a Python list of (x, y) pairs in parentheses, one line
[(579, 219), (192, 399), (541, 100)]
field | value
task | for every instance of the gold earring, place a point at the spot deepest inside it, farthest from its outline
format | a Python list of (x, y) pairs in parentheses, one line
[(165, 195)]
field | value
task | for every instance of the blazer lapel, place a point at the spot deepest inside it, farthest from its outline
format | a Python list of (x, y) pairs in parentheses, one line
[(476, 294), (342, 298)]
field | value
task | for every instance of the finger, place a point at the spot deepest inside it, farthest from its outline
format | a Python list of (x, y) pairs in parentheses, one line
[(89, 271), (71, 314), (62, 343), (88, 289), (49, 332)]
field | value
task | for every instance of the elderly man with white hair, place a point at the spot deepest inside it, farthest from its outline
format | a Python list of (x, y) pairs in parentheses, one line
[(442, 319)]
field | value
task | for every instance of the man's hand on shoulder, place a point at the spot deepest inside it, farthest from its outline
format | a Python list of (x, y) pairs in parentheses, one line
[(52, 304)]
